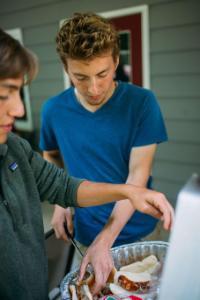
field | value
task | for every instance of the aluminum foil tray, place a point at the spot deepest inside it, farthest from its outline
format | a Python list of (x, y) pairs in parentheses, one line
[(124, 255)]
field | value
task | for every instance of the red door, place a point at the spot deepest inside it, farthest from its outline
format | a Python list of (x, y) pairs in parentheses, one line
[(129, 28)]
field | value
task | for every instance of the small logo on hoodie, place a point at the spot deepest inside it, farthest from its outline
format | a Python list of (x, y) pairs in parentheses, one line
[(12, 167)]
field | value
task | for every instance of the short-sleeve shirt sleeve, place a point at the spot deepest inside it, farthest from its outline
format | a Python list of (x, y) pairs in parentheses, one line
[(151, 127)]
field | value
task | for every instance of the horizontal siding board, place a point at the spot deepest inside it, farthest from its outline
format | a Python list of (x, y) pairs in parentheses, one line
[(176, 86), (37, 16), (187, 153), (175, 63), (187, 132), (14, 6), (175, 38), (6, 6), (37, 118), (36, 108), (169, 188), (58, 10), (46, 52), (174, 13), (46, 88), (71, 5), (41, 34), (38, 101), (51, 71), (55, 11), (181, 109), (177, 172)]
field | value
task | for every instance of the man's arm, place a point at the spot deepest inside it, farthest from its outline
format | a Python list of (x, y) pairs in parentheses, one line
[(140, 165), (144, 200), (98, 254)]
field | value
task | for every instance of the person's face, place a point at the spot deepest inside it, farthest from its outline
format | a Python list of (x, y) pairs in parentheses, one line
[(93, 79), (11, 105)]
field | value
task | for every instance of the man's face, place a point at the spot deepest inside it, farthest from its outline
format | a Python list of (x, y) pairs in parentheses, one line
[(11, 105), (93, 79)]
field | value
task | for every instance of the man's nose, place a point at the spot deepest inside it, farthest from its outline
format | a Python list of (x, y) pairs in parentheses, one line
[(17, 107), (93, 87)]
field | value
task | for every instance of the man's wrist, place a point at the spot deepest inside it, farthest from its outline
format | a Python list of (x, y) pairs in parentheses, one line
[(106, 238), (109, 233)]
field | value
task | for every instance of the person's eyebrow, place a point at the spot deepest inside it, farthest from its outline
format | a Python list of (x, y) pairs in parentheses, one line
[(9, 86), (80, 74), (103, 71)]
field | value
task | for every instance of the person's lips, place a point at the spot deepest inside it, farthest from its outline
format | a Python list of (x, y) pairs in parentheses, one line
[(95, 98), (7, 127)]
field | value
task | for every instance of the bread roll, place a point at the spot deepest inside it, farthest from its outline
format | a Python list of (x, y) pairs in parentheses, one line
[(149, 264)]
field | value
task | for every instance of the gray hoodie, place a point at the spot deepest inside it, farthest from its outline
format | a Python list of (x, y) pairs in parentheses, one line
[(25, 180)]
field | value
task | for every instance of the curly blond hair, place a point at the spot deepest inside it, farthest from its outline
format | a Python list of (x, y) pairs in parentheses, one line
[(86, 36)]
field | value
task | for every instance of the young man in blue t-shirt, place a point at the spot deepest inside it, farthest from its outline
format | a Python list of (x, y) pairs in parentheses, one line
[(102, 130)]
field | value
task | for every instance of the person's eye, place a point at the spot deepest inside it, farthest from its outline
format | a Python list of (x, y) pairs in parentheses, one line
[(4, 97), (81, 78), (102, 75)]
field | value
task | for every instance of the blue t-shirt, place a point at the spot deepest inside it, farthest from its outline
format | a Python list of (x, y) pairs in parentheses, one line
[(97, 145)]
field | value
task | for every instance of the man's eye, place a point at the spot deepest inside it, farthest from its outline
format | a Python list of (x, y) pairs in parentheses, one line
[(3, 97), (81, 78), (102, 75)]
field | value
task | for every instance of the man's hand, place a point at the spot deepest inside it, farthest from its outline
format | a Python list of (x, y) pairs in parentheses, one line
[(99, 256), (152, 203), (145, 200), (60, 216)]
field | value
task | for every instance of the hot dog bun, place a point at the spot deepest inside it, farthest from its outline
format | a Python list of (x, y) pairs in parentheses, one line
[(149, 264)]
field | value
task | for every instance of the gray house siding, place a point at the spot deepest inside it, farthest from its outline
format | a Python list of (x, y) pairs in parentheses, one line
[(175, 78), (174, 62)]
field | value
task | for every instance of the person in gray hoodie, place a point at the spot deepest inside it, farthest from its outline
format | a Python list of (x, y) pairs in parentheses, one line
[(26, 179)]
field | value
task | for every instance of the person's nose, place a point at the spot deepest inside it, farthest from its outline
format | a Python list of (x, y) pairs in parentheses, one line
[(93, 88), (17, 107)]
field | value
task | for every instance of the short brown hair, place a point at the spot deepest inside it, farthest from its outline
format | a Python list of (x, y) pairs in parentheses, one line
[(16, 60), (86, 36)]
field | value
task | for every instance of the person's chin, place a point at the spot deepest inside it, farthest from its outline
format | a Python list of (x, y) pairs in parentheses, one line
[(94, 102), (3, 138)]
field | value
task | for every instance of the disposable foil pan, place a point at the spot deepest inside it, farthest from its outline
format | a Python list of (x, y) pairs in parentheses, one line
[(124, 255)]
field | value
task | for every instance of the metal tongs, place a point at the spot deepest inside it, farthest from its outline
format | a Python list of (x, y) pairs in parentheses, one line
[(70, 237)]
